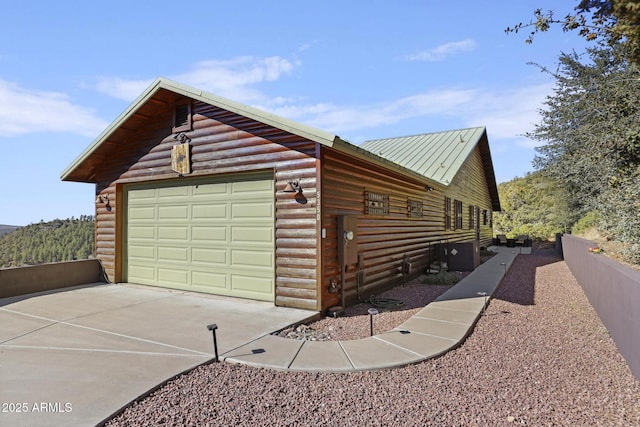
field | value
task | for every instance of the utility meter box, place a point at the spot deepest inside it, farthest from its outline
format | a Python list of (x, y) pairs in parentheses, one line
[(347, 239)]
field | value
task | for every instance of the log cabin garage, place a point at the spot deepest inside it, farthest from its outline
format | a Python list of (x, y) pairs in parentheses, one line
[(200, 193)]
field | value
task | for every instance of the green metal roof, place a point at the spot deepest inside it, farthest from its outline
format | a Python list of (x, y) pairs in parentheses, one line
[(430, 158), (438, 156)]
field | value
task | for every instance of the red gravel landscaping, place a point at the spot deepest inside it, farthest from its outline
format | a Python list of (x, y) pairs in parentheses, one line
[(540, 356)]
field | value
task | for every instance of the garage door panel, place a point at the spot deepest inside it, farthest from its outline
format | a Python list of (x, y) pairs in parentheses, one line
[(252, 259), (173, 192), (210, 282), (173, 254), (209, 234), (251, 210), (142, 252), (180, 233), (251, 284), (142, 213), (204, 234), (209, 212), (144, 196), (205, 190), (251, 186), (143, 232), (173, 276), (142, 273), (212, 256), (255, 235), (173, 212)]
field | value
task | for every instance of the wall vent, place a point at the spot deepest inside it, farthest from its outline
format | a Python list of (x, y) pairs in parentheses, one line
[(182, 118)]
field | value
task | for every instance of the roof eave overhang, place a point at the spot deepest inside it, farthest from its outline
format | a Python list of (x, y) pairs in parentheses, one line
[(310, 133)]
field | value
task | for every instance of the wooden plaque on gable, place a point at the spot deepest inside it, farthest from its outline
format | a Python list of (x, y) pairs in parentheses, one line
[(181, 158)]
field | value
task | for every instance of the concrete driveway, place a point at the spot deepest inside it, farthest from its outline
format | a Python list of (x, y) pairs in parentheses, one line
[(76, 356)]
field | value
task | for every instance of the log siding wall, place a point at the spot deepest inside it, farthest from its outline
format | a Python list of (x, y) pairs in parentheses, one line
[(222, 143), (384, 240), (470, 187)]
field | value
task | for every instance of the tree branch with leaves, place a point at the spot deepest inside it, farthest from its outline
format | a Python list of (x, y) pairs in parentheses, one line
[(607, 22)]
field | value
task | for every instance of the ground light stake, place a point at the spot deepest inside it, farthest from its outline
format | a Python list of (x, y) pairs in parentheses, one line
[(372, 312), (212, 327)]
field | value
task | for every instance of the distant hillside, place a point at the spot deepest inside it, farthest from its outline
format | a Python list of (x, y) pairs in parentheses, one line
[(6, 229), (57, 240)]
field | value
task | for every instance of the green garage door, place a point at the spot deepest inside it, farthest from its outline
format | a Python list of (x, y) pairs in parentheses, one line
[(213, 235)]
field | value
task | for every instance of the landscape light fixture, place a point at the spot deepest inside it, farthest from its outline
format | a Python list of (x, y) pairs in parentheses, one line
[(293, 187), (212, 327), (372, 312), (505, 266)]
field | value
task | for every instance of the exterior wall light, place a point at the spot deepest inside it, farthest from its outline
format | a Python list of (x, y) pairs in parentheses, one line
[(293, 187), (105, 200)]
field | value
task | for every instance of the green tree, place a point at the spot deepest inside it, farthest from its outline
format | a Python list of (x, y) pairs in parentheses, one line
[(57, 240), (590, 130), (610, 22), (533, 205)]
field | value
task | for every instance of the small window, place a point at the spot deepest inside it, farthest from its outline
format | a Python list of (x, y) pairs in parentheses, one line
[(471, 215), (485, 217), (458, 214), (447, 213), (376, 203), (182, 118), (414, 208)]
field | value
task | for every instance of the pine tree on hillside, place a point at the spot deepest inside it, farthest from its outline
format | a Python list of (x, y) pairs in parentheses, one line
[(53, 241)]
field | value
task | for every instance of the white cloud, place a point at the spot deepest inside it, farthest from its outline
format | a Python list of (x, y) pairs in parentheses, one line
[(127, 90), (509, 113), (347, 118), (440, 53), (27, 111), (233, 78)]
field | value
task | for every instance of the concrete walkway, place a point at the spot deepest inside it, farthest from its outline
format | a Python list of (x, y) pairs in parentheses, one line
[(439, 327)]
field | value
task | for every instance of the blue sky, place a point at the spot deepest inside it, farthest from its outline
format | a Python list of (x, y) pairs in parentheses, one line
[(362, 70)]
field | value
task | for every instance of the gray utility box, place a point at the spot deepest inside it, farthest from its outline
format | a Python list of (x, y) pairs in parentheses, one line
[(463, 256)]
